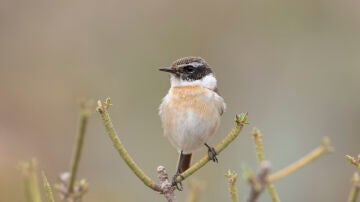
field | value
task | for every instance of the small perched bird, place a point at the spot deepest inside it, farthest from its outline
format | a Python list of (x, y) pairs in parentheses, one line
[(191, 110)]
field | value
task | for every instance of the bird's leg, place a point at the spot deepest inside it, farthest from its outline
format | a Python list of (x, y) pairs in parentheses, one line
[(212, 153), (178, 185)]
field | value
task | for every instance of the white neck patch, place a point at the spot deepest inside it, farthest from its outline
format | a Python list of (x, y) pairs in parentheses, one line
[(209, 81)]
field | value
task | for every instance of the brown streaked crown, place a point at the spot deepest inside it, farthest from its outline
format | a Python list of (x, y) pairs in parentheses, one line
[(189, 68), (187, 60)]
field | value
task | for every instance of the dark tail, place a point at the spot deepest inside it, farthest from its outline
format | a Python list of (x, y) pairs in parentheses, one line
[(184, 162)]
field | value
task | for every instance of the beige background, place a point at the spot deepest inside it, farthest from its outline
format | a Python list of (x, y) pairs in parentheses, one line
[(293, 65)]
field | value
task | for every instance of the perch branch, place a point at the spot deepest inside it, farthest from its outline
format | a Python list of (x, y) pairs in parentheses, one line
[(165, 184), (259, 182), (313, 155), (47, 187), (103, 111), (355, 189), (240, 121), (261, 158), (83, 120), (232, 177)]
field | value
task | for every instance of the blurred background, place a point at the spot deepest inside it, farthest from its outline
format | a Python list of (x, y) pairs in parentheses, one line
[(293, 65)]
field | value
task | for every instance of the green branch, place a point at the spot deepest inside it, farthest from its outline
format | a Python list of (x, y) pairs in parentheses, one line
[(30, 178), (83, 120), (240, 120), (103, 111), (355, 189), (313, 155), (232, 176), (353, 160), (47, 187), (261, 158)]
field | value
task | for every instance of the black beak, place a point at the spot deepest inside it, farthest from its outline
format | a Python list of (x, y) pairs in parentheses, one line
[(168, 69)]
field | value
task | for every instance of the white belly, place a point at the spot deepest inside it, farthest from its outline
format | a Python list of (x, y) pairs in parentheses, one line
[(192, 131)]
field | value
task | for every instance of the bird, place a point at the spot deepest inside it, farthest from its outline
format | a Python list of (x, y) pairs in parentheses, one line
[(191, 110)]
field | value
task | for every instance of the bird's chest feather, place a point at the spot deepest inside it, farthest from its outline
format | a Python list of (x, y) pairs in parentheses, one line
[(190, 99), (189, 108), (190, 116)]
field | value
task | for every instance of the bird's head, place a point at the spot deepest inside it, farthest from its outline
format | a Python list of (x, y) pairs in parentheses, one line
[(191, 71)]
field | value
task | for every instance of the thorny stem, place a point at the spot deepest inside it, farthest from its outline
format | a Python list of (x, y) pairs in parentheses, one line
[(83, 120), (313, 155), (240, 120), (261, 157), (232, 177)]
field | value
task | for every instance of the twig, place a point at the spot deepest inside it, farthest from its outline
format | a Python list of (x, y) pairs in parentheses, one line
[(259, 147), (352, 160), (83, 119), (103, 111), (261, 157), (232, 177), (355, 188), (80, 188), (165, 184), (68, 187), (47, 187), (240, 120), (313, 155), (259, 182), (30, 177)]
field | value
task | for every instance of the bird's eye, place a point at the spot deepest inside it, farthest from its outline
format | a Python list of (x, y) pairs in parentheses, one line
[(189, 69)]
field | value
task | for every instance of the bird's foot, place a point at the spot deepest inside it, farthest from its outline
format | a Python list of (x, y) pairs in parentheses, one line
[(212, 153), (175, 183)]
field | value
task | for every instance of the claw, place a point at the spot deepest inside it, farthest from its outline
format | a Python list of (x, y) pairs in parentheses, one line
[(212, 153), (178, 185)]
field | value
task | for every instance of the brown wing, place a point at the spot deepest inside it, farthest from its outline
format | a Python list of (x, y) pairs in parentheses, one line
[(216, 90), (222, 107)]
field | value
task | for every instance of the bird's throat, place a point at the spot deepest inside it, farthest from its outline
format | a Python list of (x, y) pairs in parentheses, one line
[(208, 81)]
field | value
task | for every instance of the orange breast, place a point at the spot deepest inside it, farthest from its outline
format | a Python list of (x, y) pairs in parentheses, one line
[(184, 98), (196, 98)]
